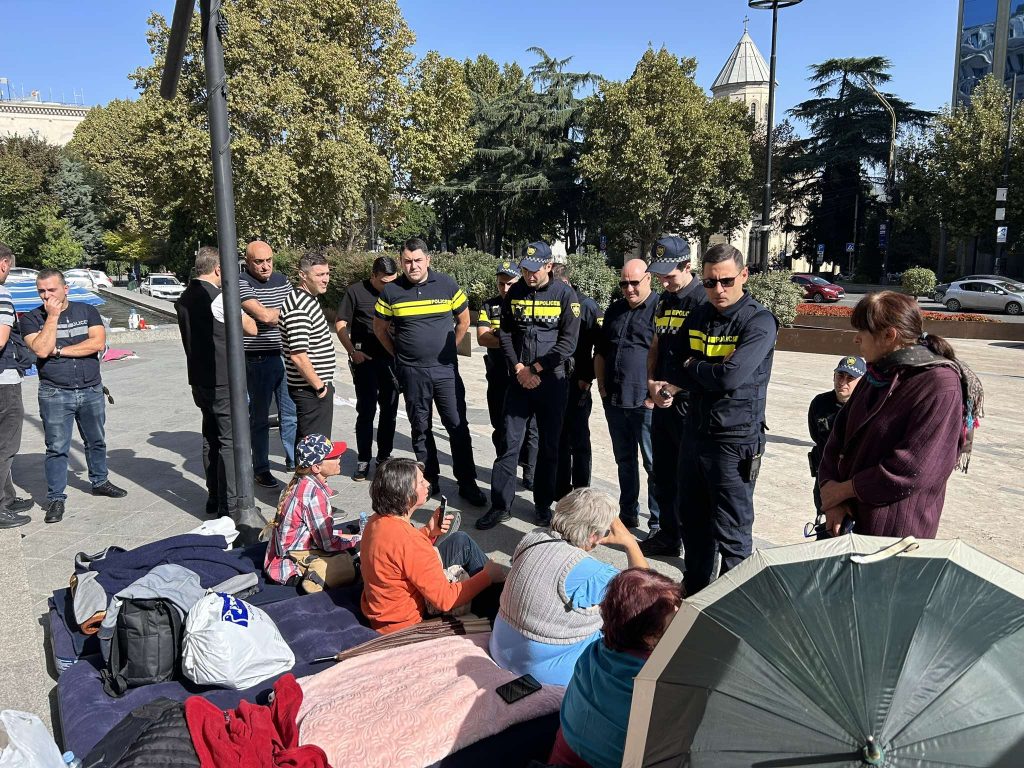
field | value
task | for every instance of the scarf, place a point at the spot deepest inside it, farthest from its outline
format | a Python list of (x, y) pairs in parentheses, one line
[(883, 371)]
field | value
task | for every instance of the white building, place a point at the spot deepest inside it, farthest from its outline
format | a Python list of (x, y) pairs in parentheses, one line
[(52, 121)]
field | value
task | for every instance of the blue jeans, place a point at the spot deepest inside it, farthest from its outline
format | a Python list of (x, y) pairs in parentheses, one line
[(60, 409), (630, 430), (265, 379)]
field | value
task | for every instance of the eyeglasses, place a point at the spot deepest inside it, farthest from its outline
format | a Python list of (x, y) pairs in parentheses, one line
[(727, 282), (631, 283)]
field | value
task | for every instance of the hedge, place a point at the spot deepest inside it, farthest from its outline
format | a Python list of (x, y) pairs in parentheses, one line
[(777, 293), (818, 310)]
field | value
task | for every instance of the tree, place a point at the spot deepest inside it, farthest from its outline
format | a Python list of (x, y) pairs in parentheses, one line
[(663, 157), (58, 248), (76, 195)]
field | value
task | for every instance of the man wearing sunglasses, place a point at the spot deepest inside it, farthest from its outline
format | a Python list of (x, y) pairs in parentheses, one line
[(681, 294), (727, 362), (620, 363)]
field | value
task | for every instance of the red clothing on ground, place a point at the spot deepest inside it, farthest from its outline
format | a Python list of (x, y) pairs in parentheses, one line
[(402, 571), (562, 754)]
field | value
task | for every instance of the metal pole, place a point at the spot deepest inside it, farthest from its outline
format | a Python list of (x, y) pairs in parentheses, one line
[(214, 28), (1001, 247), (890, 177), (766, 206)]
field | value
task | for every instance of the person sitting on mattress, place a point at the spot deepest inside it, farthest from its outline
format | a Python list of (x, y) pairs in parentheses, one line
[(304, 521), (549, 606), (637, 609), (402, 569)]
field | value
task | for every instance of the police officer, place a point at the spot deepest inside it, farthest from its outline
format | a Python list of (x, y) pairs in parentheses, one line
[(681, 294), (575, 456), (498, 377), (728, 361), (540, 320), (414, 324), (824, 408)]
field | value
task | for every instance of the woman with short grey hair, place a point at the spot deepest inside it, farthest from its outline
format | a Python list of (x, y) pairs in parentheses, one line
[(550, 605)]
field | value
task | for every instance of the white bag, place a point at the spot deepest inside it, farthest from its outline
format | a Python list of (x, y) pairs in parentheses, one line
[(28, 743), (232, 644), (222, 526)]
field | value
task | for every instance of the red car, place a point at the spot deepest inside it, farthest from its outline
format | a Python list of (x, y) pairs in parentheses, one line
[(818, 289)]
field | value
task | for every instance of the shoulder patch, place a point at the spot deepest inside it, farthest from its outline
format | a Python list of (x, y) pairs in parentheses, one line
[(575, 307)]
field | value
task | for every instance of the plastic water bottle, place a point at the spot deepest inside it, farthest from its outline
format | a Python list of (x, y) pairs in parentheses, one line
[(133, 319), (72, 761), (363, 518)]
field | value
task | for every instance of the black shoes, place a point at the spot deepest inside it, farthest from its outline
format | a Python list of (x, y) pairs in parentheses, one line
[(103, 489), (362, 471), (492, 518), (9, 519), (54, 512), (265, 480), (20, 505), (527, 483), (542, 517), (289, 466), (659, 546), (630, 521), (473, 495)]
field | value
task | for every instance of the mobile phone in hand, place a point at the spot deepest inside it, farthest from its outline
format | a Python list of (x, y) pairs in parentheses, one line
[(517, 689), (442, 511)]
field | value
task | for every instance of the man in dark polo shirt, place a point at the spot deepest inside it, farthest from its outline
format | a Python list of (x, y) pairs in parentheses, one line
[(373, 369), (262, 292), (68, 339), (414, 323), (200, 311), (620, 364)]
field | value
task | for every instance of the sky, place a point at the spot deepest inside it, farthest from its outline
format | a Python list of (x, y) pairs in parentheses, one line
[(88, 47)]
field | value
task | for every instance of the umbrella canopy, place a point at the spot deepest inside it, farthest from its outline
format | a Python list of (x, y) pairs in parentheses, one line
[(814, 655), (26, 298)]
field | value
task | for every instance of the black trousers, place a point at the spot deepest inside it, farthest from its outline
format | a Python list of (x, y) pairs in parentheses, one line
[(547, 403), (716, 490), (12, 416), (440, 386), (497, 386), (218, 449), (314, 415), (667, 433), (575, 455), (375, 388)]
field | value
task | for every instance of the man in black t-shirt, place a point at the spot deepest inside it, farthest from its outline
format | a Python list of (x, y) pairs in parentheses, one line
[(373, 372), (68, 339), (821, 415)]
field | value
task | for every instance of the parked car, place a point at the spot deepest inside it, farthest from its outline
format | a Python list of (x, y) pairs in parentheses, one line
[(100, 278), (82, 278), (941, 288), (993, 295), (162, 285), (818, 289), (22, 273)]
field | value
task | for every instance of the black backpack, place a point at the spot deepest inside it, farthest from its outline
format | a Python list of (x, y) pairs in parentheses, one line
[(16, 352), (145, 647)]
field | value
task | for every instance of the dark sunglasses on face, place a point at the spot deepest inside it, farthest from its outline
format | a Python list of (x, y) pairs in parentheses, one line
[(727, 282), (630, 283)]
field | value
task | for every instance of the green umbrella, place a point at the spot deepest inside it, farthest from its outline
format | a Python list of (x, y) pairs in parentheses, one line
[(845, 652)]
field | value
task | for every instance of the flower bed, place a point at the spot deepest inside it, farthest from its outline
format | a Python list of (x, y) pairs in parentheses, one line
[(818, 310)]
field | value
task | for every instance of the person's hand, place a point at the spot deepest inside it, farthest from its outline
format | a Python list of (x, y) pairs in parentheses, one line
[(496, 571), (618, 534), (648, 403), (834, 517), (360, 357), (657, 391), (834, 493), (52, 305), (584, 385), (525, 376), (436, 526), (325, 393)]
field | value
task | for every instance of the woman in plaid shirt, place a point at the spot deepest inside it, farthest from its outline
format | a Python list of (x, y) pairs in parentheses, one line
[(303, 519)]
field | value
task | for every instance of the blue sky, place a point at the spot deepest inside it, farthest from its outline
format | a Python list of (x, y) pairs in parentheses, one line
[(89, 46)]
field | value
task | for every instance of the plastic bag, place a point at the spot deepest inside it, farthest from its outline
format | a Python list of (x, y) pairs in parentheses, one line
[(232, 644), (29, 744), (222, 526)]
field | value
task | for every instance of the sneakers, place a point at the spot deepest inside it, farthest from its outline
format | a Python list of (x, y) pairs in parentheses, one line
[(106, 488), (54, 512), (265, 480), (659, 545), (473, 495), (9, 519), (362, 471), (20, 505), (492, 518), (289, 465)]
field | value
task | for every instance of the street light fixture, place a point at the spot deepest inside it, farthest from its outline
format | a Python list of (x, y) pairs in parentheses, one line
[(766, 207), (890, 177)]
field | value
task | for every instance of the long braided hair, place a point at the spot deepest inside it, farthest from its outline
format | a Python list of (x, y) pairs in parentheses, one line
[(268, 529)]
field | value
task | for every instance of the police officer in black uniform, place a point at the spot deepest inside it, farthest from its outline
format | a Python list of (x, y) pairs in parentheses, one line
[(821, 415), (728, 361), (540, 320), (498, 377), (575, 455), (681, 294)]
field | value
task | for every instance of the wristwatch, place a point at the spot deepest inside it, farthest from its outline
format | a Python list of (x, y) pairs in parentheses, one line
[(56, 353), (321, 390)]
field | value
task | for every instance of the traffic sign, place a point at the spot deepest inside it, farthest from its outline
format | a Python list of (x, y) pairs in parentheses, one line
[(1000, 234), (821, 249), (1000, 194), (849, 247), (1000, 214)]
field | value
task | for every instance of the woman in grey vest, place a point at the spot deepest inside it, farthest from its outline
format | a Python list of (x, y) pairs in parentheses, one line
[(550, 604)]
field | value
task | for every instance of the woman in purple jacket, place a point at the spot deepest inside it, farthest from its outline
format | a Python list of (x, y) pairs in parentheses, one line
[(904, 429)]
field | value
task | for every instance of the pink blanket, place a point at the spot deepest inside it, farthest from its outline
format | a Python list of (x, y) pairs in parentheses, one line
[(409, 707)]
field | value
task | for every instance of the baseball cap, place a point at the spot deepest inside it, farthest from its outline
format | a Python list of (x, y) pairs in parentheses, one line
[(507, 268), (535, 256), (667, 253), (852, 365), (316, 449)]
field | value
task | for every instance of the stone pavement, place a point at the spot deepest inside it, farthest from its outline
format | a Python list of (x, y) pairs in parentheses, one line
[(154, 451)]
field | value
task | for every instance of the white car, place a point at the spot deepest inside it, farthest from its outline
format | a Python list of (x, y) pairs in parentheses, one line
[(81, 278), (162, 285), (22, 273), (99, 277), (993, 295)]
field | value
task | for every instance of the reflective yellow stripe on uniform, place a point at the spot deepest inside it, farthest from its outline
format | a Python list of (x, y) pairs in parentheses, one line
[(459, 298), (421, 307), (482, 317), (713, 346), (672, 320), (384, 308), (535, 309)]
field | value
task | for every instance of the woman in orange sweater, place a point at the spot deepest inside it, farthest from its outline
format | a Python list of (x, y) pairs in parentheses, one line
[(402, 570)]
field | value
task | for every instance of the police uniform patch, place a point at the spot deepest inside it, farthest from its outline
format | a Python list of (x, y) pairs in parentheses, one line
[(506, 265), (575, 309), (660, 250), (530, 250), (851, 361)]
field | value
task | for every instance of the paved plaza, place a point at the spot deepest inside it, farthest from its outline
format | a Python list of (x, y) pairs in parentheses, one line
[(154, 451)]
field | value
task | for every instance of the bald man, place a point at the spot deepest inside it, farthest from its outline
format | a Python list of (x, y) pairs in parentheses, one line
[(620, 366), (263, 291)]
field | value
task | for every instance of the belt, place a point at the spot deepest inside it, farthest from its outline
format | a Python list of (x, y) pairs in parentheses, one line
[(261, 355)]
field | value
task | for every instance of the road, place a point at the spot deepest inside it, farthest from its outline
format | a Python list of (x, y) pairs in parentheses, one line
[(855, 293)]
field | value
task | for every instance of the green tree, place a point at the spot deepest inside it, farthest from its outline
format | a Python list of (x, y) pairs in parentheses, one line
[(79, 204), (663, 157), (57, 246)]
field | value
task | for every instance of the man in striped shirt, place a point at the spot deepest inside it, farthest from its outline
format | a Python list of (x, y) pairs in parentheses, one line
[(12, 408), (414, 323), (308, 346)]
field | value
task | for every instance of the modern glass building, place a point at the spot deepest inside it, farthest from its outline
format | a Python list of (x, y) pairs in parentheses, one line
[(990, 40)]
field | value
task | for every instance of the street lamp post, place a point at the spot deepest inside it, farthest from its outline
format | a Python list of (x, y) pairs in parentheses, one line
[(890, 179), (766, 206)]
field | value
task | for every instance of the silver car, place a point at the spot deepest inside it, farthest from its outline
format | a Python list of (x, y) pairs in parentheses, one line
[(993, 295)]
